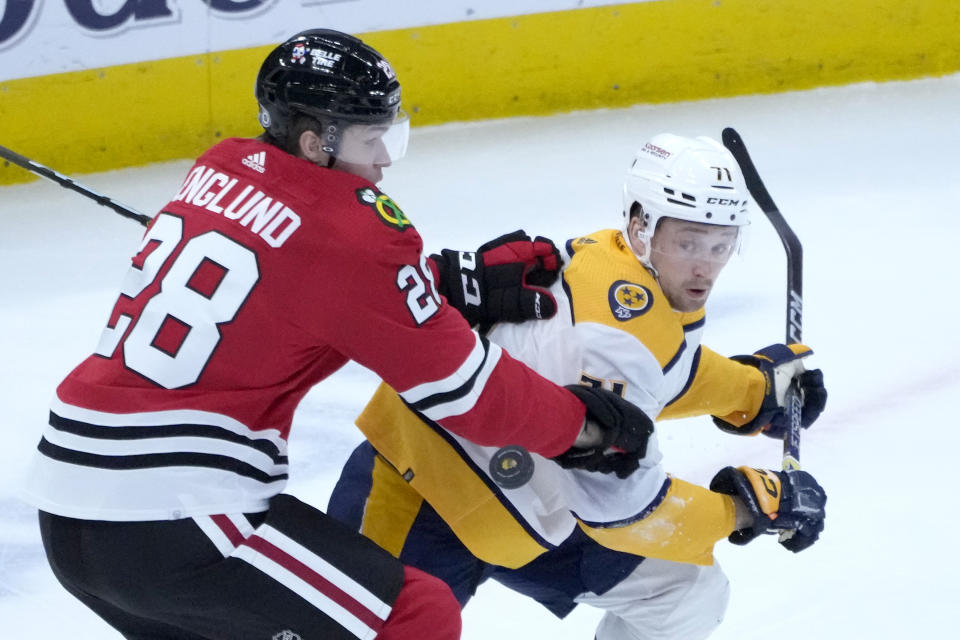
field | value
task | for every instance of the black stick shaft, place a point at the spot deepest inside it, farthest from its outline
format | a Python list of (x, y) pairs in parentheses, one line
[(45, 172), (794, 312)]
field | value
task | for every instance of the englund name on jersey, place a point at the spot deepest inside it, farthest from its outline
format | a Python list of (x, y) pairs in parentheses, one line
[(250, 207)]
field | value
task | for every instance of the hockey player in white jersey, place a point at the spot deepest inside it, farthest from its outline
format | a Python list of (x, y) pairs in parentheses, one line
[(630, 315)]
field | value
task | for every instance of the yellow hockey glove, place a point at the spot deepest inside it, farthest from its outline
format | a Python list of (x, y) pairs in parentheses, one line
[(778, 501)]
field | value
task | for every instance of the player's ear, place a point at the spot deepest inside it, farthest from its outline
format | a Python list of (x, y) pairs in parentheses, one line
[(636, 225), (310, 147)]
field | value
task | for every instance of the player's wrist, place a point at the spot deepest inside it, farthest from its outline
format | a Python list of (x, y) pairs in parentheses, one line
[(743, 517), (591, 435)]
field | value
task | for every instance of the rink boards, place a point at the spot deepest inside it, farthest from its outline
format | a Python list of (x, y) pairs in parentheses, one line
[(609, 56)]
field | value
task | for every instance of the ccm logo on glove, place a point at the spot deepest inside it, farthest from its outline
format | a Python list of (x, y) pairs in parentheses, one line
[(505, 280)]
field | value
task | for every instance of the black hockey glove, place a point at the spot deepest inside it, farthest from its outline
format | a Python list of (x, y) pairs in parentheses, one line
[(779, 501), (505, 280), (780, 364), (615, 434)]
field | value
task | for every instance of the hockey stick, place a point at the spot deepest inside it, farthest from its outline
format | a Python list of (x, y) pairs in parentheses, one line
[(64, 181), (510, 468), (794, 250)]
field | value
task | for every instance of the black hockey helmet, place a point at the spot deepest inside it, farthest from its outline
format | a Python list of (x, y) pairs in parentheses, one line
[(329, 75)]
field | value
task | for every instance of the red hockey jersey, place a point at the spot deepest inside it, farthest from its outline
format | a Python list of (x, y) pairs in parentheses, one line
[(264, 275)]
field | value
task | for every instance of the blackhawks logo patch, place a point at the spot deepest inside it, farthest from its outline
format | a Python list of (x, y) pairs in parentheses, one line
[(386, 209), (629, 300)]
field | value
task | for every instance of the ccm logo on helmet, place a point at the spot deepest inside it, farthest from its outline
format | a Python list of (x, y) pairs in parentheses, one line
[(725, 201)]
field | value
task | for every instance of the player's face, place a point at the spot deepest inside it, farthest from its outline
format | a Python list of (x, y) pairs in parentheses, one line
[(363, 153), (688, 256), (365, 149)]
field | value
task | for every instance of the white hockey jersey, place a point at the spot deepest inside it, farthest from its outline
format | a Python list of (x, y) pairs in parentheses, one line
[(613, 328)]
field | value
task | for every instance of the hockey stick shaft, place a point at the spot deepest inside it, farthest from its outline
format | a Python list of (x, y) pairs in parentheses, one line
[(68, 183), (794, 311)]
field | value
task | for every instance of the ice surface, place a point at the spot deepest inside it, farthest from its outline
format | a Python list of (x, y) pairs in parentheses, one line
[(866, 175)]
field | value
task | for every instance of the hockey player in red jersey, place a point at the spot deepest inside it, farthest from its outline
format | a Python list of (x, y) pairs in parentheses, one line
[(159, 478)]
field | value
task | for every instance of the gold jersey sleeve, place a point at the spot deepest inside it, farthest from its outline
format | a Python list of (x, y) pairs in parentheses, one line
[(683, 527), (615, 329), (720, 387), (417, 463)]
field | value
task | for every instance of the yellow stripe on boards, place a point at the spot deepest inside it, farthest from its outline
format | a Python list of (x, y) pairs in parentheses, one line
[(613, 56), (106, 118), (129, 115), (666, 51)]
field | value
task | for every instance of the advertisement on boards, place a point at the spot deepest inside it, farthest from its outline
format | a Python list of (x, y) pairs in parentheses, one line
[(42, 37)]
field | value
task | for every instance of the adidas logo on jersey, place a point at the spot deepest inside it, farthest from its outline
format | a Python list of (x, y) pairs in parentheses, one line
[(256, 161)]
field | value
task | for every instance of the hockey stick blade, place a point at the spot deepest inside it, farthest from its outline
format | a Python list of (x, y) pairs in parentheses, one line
[(794, 312), (45, 172)]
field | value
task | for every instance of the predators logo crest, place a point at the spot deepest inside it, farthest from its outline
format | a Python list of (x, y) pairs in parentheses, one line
[(386, 209), (629, 300)]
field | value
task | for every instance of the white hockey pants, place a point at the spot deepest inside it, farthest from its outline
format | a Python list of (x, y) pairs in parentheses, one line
[(663, 600)]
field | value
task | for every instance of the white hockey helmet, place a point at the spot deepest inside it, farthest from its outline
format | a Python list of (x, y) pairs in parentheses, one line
[(693, 179)]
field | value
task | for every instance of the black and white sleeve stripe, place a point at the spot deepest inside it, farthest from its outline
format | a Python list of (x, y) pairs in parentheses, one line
[(457, 393)]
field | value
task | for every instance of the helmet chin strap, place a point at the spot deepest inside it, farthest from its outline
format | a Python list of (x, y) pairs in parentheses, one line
[(648, 265)]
